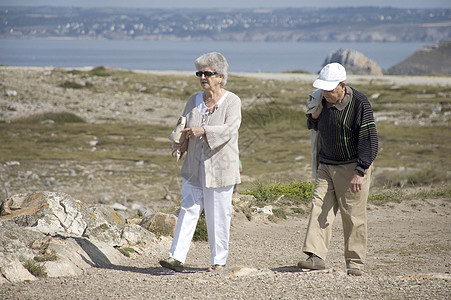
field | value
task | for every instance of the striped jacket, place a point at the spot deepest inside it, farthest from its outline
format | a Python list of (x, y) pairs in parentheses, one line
[(348, 135)]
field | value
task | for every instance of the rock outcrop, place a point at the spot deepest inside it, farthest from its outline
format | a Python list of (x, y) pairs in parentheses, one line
[(61, 236), (434, 59), (52, 234), (355, 62)]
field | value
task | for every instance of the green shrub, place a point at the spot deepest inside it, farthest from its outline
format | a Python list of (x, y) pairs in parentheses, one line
[(47, 256), (264, 194), (394, 195), (100, 71), (74, 85), (35, 268), (201, 234), (75, 72), (445, 193), (279, 213), (297, 72), (57, 117), (298, 210), (126, 251), (262, 115)]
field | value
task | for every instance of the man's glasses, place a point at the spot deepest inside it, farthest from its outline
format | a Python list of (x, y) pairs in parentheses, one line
[(206, 73)]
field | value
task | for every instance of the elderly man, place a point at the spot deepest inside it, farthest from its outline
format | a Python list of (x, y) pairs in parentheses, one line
[(348, 147)]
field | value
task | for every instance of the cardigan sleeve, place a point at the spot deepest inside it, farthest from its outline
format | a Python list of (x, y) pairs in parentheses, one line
[(312, 123), (217, 135), (368, 140)]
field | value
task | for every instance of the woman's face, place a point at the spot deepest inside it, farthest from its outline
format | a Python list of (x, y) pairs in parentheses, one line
[(211, 82)]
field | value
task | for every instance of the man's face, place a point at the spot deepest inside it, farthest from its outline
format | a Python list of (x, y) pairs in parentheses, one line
[(336, 95)]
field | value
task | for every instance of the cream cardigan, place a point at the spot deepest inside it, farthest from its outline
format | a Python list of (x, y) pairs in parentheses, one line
[(220, 144)]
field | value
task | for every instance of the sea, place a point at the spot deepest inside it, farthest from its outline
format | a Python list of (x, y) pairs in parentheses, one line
[(271, 57)]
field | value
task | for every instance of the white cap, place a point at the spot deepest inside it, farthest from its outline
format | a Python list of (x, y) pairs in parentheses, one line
[(330, 76)]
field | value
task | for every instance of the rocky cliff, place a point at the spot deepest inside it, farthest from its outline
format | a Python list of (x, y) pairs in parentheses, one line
[(355, 62), (434, 59)]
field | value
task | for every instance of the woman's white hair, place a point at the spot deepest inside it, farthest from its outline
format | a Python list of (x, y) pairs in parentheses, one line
[(216, 61)]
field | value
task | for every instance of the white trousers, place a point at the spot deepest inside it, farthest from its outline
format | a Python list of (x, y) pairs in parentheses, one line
[(217, 204)]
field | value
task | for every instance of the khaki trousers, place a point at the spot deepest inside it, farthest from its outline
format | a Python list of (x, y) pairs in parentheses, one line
[(332, 192)]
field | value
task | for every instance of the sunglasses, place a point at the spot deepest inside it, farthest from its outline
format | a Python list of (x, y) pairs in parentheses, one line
[(206, 73)]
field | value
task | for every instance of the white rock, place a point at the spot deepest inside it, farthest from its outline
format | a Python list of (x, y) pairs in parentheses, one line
[(266, 210), (248, 272), (134, 234), (118, 206), (11, 93), (65, 219), (14, 271), (375, 96), (61, 268)]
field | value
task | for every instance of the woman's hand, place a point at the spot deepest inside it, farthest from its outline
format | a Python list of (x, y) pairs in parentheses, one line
[(194, 132)]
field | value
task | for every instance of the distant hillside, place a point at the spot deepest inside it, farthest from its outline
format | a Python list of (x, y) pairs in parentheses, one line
[(435, 59), (348, 24)]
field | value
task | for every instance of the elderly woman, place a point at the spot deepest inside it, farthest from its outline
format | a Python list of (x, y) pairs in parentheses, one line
[(211, 167)]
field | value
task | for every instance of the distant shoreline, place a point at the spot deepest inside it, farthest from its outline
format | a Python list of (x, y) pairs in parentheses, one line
[(151, 55), (352, 79)]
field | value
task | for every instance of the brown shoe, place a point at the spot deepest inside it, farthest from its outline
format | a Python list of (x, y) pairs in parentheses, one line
[(355, 272), (313, 262), (172, 263)]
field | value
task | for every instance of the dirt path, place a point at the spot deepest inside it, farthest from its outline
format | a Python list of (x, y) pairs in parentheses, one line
[(408, 257)]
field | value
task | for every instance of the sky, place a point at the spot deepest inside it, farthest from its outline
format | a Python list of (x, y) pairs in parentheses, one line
[(230, 3)]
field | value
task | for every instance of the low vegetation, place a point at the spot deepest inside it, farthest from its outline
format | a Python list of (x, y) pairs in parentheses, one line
[(413, 123), (126, 251), (297, 192), (36, 268), (46, 256), (200, 234)]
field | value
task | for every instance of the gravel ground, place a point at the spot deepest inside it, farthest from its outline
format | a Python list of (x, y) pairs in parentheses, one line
[(408, 258)]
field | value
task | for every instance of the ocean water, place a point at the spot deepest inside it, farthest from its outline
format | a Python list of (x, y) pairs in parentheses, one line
[(180, 55)]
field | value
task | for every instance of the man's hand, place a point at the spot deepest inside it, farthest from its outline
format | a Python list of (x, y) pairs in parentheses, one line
[(356, 183), (318, 110)]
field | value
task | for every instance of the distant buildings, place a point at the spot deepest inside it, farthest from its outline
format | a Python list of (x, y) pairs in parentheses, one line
[(295, 24)]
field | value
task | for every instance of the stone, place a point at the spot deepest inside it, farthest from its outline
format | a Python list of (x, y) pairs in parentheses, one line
[(118, 206), (61, 268), (163, 224), (134, 234), (267, 210), (63, 235), (354, 62), (62, 216), (11, 93), (104, 224), (243, 201), (249, 272), (14, 271)]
